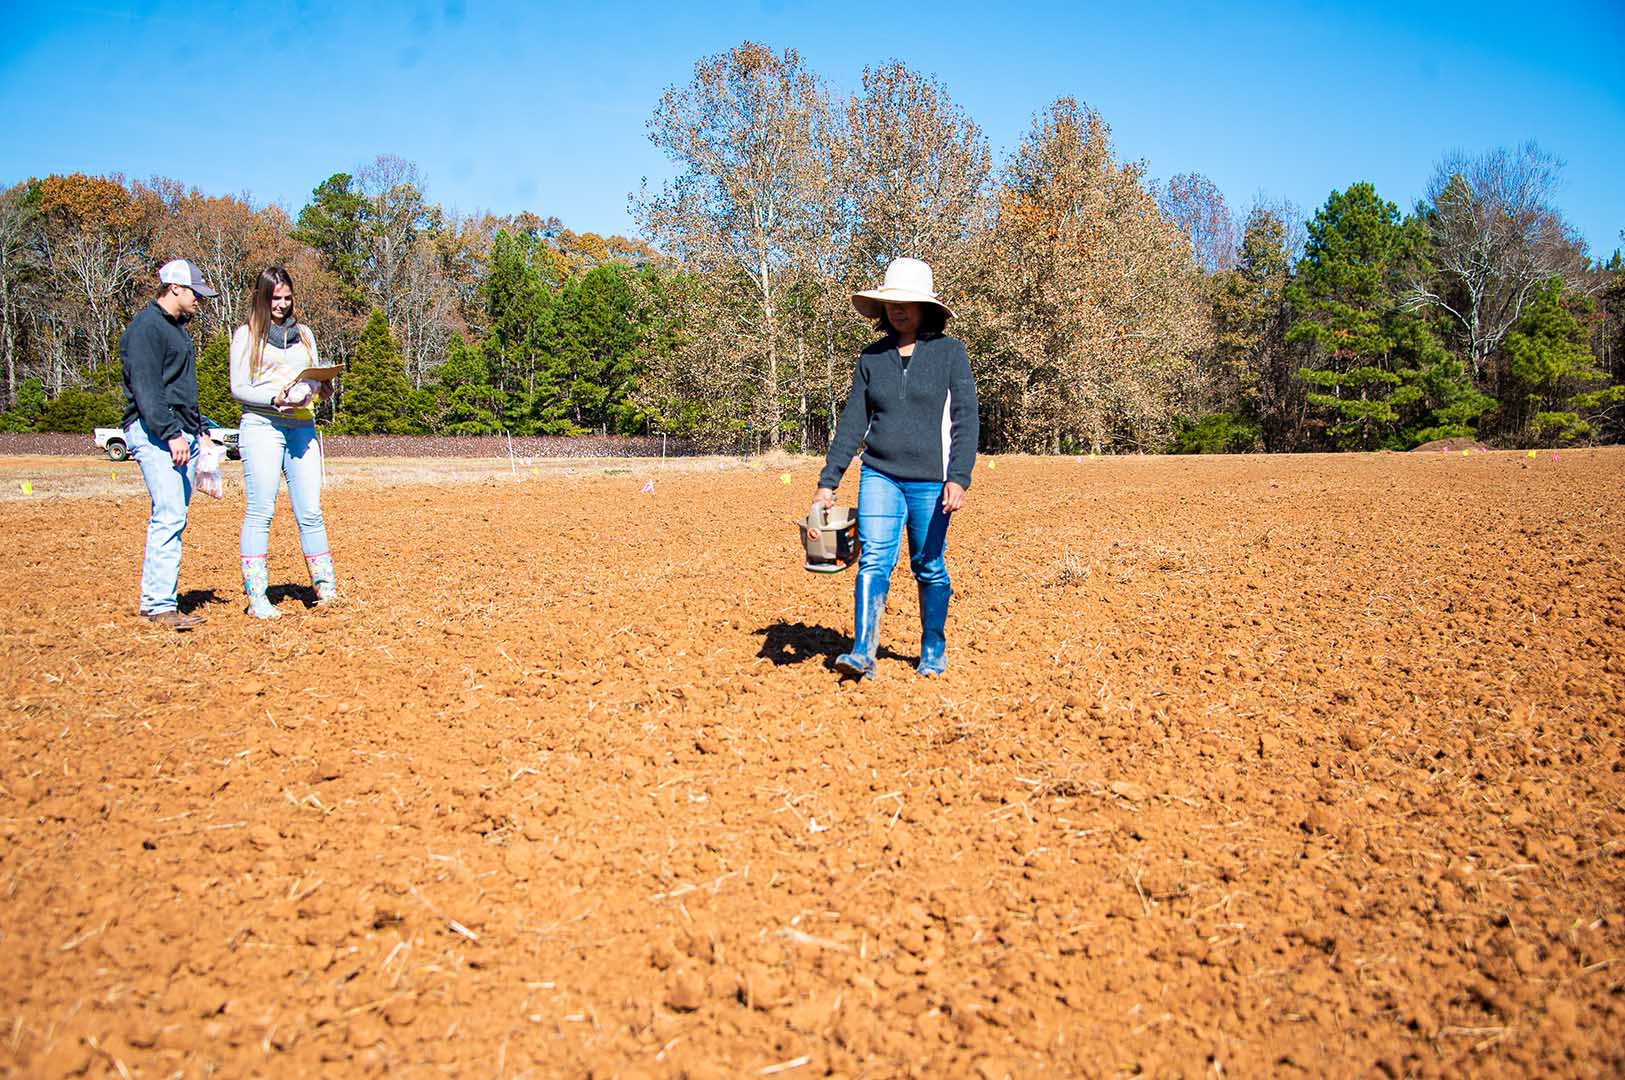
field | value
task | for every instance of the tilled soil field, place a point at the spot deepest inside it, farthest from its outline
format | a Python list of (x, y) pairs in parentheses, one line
[(1287, 766)]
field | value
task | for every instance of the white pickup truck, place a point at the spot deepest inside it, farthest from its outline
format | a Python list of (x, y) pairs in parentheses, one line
[(115, 442)]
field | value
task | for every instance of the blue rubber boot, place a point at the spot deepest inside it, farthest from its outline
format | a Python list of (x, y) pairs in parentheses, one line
[(933, 617), (868, 601)]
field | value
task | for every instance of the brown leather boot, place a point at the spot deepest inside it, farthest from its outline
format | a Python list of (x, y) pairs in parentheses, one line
[(174, 620)]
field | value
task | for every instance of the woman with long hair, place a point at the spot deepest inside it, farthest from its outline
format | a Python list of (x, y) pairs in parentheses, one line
[(278, 436), (913, 408)]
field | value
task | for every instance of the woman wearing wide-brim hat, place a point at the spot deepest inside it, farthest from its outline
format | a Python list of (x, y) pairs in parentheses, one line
[(913, 407)]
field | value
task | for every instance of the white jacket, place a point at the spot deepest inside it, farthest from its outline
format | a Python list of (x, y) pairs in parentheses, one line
[(277, 368)]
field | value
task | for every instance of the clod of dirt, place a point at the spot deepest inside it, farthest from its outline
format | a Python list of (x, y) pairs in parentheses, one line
[(1322, 819), (1129, 790), (685, 992), (761, 988), (364, 1031), (722, 984), (1563, 1015), (1269, 745), (994, 1069)]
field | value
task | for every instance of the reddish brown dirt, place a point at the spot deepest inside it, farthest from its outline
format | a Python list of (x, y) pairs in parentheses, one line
[(1290, 766)]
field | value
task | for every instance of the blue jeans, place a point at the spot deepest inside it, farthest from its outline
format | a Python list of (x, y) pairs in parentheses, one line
[(272, 451), (886, 507), (170, 487)]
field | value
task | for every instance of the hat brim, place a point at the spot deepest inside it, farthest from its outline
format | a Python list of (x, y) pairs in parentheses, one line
[(204, 291), (872, 302)]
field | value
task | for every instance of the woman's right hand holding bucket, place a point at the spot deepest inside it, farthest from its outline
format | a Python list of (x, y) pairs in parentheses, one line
[(824, 497)]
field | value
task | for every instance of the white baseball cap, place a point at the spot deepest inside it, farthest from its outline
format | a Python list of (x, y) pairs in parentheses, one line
[(185, 272)]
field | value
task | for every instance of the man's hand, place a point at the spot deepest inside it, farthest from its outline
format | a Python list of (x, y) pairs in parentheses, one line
[(328, 389), (953, 497), (180, 451)]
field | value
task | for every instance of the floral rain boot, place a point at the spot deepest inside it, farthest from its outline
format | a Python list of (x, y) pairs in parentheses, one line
[(256, 578), (321, 577)]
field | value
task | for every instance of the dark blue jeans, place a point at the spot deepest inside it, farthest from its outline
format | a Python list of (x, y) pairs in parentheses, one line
[(886, 509)]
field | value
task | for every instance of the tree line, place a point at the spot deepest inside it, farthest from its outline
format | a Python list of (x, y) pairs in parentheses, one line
[(1105, 311)]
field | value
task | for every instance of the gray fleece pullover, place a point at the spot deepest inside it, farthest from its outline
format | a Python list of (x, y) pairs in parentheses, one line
[(160, 374), (916, 417)]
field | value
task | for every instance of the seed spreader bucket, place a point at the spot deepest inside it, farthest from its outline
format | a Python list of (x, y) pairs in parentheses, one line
[(830, 538)]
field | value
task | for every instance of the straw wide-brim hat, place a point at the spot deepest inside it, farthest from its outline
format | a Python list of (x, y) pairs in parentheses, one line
[(907, 281)]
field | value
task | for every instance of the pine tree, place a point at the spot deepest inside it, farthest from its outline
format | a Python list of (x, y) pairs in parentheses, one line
[(375, 387), (593, 340), (334, 224), (214, 398), (467, 403), (1377, 373), (1551, 376), (1250, 315)]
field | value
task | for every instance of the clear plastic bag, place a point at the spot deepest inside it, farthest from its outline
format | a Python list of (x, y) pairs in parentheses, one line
[(300, 393), (209, 479)]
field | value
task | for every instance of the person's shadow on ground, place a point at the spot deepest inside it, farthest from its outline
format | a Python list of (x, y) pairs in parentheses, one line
[(192, 599), (796, 643), (305, 594)]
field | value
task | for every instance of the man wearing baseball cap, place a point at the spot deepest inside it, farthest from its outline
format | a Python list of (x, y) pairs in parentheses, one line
[(164, 428)]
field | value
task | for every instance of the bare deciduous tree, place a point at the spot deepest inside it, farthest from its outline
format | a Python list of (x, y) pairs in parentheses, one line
[(405, 273), (94, 243), (916, 170), (1496, 238), (1197, 206), (17, 225), (743, 132)]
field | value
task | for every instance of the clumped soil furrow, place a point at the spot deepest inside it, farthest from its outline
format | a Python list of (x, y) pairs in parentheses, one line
[(1304, 765)]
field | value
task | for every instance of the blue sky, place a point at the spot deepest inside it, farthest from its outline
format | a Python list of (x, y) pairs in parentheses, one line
[(508, 106)]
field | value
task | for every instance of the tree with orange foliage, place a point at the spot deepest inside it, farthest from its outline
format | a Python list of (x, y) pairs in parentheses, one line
[(95, 240), (1089, 302)]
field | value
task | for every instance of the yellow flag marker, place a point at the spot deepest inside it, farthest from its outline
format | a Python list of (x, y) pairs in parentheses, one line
[(784, 478), (993, 464), (1465, 453), (1531, 453), (28, 489)]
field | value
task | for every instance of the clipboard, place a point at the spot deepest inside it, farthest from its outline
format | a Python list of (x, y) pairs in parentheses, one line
[(322, 373)]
